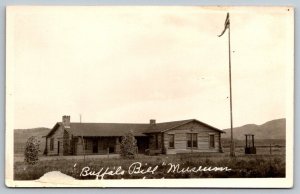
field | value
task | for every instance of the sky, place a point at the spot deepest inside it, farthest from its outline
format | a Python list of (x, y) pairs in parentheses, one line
[(133, 64)]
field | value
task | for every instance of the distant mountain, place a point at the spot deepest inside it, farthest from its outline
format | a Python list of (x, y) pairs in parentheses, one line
[(274, 129), (21, 136)]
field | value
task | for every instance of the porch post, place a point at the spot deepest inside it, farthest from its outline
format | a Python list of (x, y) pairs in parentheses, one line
[(220, 143), (191, 142), (162, 143), (117, 146), (46, 148)]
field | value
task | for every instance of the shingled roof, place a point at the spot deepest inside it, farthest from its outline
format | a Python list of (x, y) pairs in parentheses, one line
[(107, 129), (119, 129)]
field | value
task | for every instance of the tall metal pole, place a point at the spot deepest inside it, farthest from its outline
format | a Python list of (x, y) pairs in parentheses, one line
[(232, 152)]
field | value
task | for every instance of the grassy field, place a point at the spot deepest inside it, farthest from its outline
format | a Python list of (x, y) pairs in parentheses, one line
[(242, 166)]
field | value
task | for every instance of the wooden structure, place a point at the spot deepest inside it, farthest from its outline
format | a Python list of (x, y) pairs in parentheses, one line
[(250, 147), (186, 136)]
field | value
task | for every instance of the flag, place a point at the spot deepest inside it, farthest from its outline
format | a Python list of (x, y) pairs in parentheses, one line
[(226, 25)]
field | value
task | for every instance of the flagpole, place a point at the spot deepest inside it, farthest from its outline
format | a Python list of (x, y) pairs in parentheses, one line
[(232, 152)]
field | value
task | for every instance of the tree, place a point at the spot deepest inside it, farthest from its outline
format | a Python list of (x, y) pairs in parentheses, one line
[(32, 150), (128, 147)]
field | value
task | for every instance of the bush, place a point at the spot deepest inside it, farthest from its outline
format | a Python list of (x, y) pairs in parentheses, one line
[(32, 150), (128, 147)]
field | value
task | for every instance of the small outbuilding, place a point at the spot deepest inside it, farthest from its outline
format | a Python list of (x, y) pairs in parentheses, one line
[(250, 147)]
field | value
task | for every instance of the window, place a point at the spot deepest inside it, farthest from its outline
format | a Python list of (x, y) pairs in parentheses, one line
[(52, 144), (171, 140), (212, 141), (85, 144), (192, 140)]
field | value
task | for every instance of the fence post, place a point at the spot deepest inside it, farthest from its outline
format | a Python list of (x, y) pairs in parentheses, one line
[(270, 149), (108, 152)]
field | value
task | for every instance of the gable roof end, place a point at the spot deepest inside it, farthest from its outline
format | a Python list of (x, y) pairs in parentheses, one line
[(192, 120), (53, 129)]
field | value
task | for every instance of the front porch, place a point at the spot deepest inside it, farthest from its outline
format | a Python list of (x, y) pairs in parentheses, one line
[(96, 145), (104, 145), (156, 144)]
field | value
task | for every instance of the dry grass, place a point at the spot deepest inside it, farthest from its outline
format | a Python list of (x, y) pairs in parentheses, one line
[(243, 166)]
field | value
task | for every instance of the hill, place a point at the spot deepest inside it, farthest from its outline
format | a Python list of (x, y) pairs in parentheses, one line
[(21, 136), (274, 129)]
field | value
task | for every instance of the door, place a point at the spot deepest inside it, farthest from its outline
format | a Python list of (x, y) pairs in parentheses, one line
[(95, 145), (58, 146), (142, 144)]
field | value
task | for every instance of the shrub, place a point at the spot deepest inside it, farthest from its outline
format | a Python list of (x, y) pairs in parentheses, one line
[(32, 150), (128, 147)]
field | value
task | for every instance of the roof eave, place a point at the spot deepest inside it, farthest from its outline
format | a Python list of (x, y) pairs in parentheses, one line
[(51, 131)]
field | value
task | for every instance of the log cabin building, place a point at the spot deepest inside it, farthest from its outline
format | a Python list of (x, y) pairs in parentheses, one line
[(68, 138)]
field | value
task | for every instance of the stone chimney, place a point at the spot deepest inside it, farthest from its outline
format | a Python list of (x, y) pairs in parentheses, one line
[(66, 121), (152, 122)]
